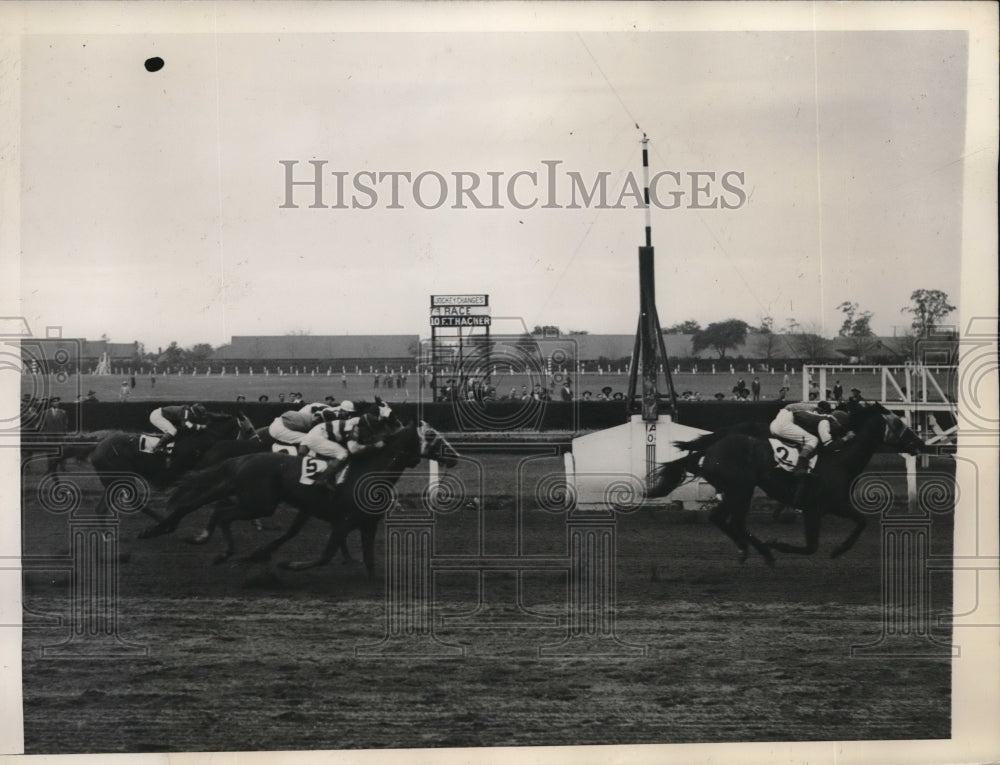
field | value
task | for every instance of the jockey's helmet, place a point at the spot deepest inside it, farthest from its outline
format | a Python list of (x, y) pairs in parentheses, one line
[(198, 411)]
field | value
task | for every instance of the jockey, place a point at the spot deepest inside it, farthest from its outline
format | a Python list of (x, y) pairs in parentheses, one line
[(171, 420), (806, 424), (293, 426), (337, 438)]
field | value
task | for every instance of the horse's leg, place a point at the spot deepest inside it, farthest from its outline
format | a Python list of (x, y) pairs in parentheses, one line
[(369, 526), (847, 510), (264, 552), (253, 502), (337, 536), (720, 515), (224, 516), (740, 532), (206, 533), (811, 517)]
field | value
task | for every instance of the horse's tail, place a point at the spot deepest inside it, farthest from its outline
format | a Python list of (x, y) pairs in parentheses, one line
[(701, 443), (669, 475)]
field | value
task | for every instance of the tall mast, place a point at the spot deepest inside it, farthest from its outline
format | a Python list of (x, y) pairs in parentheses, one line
[(649, 350)]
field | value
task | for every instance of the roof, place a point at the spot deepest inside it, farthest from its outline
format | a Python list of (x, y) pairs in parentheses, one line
[(262, 347), (87, 349)]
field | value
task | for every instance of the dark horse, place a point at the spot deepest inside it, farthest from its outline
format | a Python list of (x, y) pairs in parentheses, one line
[(736, 461), (260, 482), (122, 466)]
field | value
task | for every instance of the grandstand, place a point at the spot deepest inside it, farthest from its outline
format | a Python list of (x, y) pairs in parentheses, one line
[(338, 351)]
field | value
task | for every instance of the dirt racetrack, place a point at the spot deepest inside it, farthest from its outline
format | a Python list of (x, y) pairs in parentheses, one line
[(248, 658)]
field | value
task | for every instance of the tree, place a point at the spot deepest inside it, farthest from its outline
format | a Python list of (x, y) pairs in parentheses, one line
[(765, 341), (857, 327), (200, 352), (688, 327), (174, 355), (928, 309), (721, 336), (808, 344), (856, 323)]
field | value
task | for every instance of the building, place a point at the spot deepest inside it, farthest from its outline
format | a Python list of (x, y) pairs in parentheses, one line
[(348, 351)]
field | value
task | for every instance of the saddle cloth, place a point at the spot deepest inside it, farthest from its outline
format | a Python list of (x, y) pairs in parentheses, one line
[(148, 442), (787, 455), (312, 466)]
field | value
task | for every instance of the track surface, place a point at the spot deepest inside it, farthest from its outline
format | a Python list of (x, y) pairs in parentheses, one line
[(246, 658)]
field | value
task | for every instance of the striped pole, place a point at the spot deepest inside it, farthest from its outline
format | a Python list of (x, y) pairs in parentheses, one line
[(645, 189)]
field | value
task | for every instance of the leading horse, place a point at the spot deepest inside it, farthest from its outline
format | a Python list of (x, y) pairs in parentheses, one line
[(738, 460)]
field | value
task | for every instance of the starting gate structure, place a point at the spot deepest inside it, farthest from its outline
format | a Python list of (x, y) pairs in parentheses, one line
[(612, 467)]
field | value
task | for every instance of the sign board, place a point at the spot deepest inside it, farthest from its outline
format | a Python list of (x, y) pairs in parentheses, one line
[(439, 301), (459, 310), (460, 321)]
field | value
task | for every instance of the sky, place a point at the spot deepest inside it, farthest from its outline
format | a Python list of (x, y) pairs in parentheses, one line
[(152, 202)]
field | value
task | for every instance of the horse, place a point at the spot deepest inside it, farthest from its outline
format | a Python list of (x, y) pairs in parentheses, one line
[(262, 440), (736, 461), (120, 463), (260, 482)]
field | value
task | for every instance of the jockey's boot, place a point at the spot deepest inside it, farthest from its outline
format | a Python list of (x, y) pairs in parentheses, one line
[(801, 472), (161, 446), (329, 476)]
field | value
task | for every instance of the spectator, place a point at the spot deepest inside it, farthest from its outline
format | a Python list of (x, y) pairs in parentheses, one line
[(263, 399), (91, 396), (782, 393), (152, 381), (343, 380), (838, 391), (755, 388), (785, 383), (606, 392), (375, 383), (240, 398), (54, 424), (587, 395), (619, 396), (524, 393), (131, 382), (123, 391), (281, 397), (855, 395), (566, 393), (720, 396), (330, 400)]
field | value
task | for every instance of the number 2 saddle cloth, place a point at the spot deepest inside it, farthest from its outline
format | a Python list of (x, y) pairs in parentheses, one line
[(786, 455)]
